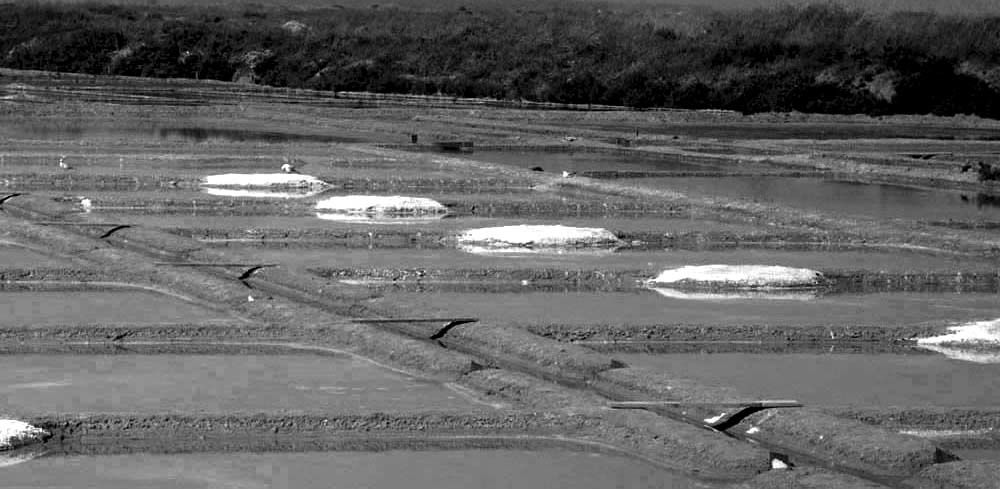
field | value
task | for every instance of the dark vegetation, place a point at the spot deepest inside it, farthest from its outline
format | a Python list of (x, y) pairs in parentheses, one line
[(820, 58)]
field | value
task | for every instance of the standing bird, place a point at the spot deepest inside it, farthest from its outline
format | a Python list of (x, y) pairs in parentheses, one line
[(63, 164)]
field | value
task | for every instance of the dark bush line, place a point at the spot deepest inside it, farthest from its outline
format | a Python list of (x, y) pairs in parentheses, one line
[(811, 59)]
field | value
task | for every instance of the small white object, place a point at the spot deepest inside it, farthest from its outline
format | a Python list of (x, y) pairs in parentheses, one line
[(86, 204), (527, 236), (567, 174), (753, 430), (63, 164), (14, 433), (249, 298), (288, 168), (570, 138), (778, 464)]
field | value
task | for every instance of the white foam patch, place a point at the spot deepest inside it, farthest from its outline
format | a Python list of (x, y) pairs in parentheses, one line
[(14, 433), (538, 236), (262, 180), (774, 295), (740, 276), (262, 194), (381, 205)]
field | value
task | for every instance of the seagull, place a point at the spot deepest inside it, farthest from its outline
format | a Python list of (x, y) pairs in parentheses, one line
[(287, 167), (63, 164), (567, 174)]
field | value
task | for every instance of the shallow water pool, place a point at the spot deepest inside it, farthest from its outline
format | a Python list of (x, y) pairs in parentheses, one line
[(485, 469)]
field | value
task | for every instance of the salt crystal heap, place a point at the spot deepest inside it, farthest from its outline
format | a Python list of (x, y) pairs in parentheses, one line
[(14, 434), (379, 208), (977, 342), (748, 282), (739, 276), (263, 185), (536, 238)]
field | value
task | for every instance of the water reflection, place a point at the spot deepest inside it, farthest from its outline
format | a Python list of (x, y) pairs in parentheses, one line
[(75, 130), (982, 200)]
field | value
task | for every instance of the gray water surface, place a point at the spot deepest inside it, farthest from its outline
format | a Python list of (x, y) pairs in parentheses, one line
[(481, 469), (839, 379), (839, 198)]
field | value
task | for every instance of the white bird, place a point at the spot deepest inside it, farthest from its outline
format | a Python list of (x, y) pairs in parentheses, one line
[(567, 174), (288, 168), (63, 164)]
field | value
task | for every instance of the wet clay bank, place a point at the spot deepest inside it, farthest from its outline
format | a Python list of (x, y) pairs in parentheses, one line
[(494, 344)]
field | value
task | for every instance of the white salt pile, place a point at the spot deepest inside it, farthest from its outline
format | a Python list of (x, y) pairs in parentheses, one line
[(740, 276), (14, 433), (381, 205), (536, 236), (262, 180), (980, 333), (977, 342)]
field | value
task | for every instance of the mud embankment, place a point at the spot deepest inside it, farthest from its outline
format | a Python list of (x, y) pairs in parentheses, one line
[(703, 333)]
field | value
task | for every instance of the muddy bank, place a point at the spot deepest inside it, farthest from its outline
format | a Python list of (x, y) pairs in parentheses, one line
[(105, 434), (110, 434), (79, 182), (833, 281), (961, 475), (802, 430), (504, 344), (826, 347), (704, 333)]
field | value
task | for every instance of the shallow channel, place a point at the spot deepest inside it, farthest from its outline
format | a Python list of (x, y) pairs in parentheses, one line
[(837, 197), (826, 380), (258, 380), (117, 305), (392, 469), (648, 307)]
